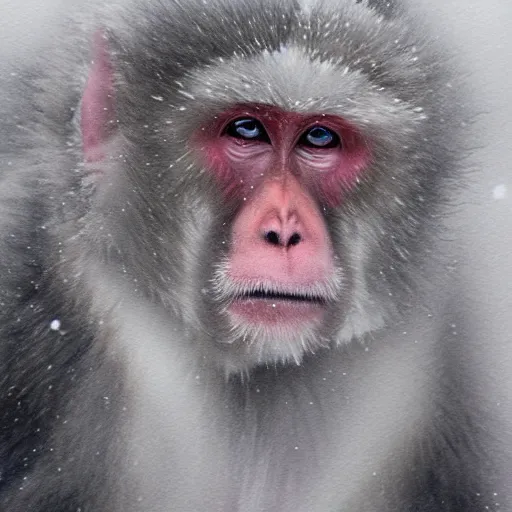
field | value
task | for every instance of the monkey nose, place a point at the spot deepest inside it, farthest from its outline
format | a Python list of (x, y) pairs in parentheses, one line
[(279, 239)]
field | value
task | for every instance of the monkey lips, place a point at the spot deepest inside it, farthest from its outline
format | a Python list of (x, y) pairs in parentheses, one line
[(271, 307)]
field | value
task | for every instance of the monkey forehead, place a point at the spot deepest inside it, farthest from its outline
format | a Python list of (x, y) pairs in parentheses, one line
[(287, 78), (332, 56), (293, 81)]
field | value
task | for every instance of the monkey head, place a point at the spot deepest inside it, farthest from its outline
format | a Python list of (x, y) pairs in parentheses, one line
[(277, 182)]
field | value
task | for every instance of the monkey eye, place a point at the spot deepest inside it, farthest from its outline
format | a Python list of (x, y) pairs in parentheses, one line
[(320, 137), (247, 128)]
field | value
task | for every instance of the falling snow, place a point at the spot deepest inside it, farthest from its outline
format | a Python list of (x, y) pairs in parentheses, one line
[(499, 192), (55, 325)]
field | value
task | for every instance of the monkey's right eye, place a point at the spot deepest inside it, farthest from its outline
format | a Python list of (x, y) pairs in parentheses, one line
[(247, 128)]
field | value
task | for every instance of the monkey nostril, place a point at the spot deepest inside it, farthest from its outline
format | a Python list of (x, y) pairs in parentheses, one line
[(294, 239), (272, 237)]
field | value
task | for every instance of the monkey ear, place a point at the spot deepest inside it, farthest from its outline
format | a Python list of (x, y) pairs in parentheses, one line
[(97, 115)]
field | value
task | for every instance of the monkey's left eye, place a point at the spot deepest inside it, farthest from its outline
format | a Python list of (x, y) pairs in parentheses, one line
[(247, 128), (320, 137)]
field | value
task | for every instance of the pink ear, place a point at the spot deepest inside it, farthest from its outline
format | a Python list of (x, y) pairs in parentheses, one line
[(97, 112)]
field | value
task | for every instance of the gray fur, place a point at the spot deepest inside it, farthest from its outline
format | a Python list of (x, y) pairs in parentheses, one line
[(141, 398)]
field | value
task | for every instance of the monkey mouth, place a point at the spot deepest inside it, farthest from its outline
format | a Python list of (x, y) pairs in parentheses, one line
[(272, 295), (273, 306), (293, 303)]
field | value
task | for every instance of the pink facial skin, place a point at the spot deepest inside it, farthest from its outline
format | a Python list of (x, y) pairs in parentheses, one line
[(280, 206), (279, 238), (274, 313), (241, 165)]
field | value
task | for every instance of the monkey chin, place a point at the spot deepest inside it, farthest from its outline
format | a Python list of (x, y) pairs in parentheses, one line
[(274, 321), (274, 331)]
